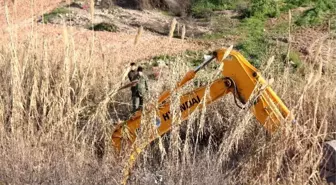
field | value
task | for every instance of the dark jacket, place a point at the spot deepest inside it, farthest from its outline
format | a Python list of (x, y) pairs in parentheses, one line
[(132, 75)]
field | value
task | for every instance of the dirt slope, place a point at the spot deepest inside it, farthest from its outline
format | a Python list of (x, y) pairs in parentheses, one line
[(117, 45), (311, 41), (22, 10)]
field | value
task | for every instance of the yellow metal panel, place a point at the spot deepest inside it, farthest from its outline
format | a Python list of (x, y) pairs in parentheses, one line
[(269, 109)]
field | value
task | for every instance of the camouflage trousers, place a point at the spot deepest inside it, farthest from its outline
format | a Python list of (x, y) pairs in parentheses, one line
[(137, 102)]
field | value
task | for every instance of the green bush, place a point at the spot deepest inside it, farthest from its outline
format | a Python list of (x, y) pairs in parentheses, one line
[(202, 8), (264, 8), (58, 11), (254, 46), (294, 57), (248, 8), (290, 4), (298, 3), (214, 36), (104, 27), (205, 8), (310, 17), (323, 10), (201, 12), (194, 58), (163, 57), (333, 25)]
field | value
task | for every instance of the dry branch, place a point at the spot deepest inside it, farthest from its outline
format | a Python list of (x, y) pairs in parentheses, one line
[(172, 29), (138, 36), (183, 32)]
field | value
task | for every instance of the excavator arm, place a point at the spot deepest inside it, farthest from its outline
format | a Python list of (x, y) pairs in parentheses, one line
[(239, 77)]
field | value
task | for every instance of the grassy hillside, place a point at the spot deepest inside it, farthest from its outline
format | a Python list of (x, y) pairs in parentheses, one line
[(256, 36)]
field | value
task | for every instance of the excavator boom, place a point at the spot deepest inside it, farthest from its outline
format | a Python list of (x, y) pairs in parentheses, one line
[(239, 77), (188, 104)]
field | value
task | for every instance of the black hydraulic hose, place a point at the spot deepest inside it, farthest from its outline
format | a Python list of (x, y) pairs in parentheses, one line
[(204, 64)]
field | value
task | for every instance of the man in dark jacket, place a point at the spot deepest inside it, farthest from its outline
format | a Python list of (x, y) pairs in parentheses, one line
[(133, 76), (142, 87)]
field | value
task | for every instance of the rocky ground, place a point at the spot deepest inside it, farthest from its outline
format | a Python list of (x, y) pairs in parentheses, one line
[(24, 24), (23, 21), (128, 20)]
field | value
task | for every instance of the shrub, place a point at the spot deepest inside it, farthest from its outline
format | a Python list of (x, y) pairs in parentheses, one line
[(294, 59), (290, 4), (205, 8), (104, 27), (255, 44), (162, 57), (333, 26), (264, 8), (323, 10), (47, 18), (176, 7)]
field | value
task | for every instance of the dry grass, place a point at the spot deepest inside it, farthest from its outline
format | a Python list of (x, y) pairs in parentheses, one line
[(224, 145), (172, 29), (138, 35), (54, 112), (58, 106), (183, 32)]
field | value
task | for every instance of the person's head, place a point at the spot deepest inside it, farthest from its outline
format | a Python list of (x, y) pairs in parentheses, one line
[(140, 70), (133, 66)]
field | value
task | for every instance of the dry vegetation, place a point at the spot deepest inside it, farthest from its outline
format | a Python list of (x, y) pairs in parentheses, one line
[(59, 105), (225, 145), (56, 103), (175, 6)]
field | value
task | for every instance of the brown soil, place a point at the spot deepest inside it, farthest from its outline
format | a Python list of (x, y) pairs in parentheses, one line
[(128, 20), (315, 45), (119, 46)]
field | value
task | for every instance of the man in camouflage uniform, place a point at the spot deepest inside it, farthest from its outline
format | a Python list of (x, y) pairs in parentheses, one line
[(133, 76), (142, 87)]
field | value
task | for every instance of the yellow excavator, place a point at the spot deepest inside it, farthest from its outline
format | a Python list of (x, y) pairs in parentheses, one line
[(239, 77)]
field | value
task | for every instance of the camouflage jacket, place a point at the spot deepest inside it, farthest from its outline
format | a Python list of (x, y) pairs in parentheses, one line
[(142, 86)]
